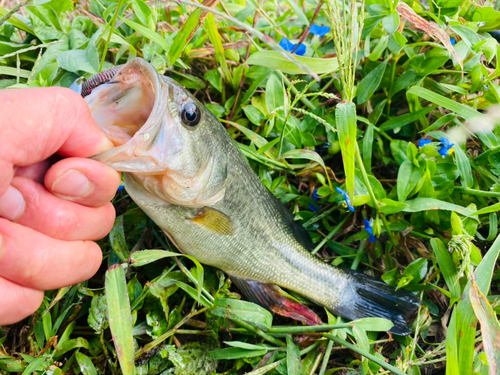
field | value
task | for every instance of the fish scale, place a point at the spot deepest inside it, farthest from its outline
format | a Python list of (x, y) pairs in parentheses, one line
[(241, 227)]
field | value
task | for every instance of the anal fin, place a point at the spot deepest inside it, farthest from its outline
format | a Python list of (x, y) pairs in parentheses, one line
[(273, 298)]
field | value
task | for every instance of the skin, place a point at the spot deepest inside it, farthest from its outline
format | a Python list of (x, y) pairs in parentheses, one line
[(50, 209)]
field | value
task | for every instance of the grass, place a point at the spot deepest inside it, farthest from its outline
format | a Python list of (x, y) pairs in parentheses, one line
[(432, 209)]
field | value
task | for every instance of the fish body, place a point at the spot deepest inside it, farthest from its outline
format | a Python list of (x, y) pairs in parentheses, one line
[(188, 175)]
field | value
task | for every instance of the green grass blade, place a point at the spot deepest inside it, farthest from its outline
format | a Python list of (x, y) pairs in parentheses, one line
[(213, 34), (447, 268), (345, 119), (276, 60), (293, 363), (148, 33), (365, 354), (120, 318)]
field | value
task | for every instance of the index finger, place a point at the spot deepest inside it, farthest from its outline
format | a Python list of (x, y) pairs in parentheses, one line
[(36, 123)]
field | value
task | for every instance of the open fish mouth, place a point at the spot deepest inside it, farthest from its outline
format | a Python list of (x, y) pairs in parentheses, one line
[(130, 104)]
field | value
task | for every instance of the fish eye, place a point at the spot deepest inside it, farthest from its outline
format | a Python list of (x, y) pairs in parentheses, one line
[(190, 115)]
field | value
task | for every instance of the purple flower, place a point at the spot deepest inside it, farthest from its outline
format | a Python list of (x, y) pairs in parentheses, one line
[(369, 229), (346, 198), (288, 46), (424, 142), (319, 30), (446, 147)]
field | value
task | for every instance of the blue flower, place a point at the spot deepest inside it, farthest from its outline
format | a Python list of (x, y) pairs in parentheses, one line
[(446, 147), (120, 188), (453, 41), (313, 208), (319, 30), (315, 195), (346, 198), (369, 229), (424, 142), (288, 46)]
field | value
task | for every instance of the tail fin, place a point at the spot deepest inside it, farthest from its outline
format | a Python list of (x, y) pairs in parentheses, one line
[(374, 298)]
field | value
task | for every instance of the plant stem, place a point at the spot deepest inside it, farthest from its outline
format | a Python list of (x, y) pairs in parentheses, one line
[(361, 166), (326, 358), (331, 234), (304, 329), (481, 193), (257, 331), (13, 10), (305, 101), (364, 353), (111, 28)]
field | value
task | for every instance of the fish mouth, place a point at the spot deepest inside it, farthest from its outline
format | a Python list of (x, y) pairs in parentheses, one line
[(131, 109)]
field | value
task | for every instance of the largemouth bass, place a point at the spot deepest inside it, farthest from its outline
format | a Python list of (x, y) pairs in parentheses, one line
[(188, 175)]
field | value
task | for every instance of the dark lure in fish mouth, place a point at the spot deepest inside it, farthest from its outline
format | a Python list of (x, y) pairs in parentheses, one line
[(188, 175)]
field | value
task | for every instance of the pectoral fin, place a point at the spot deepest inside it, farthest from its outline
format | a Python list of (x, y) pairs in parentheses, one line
[(214, 221), (273, 298)]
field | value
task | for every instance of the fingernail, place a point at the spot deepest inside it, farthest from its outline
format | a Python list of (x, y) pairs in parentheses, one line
[(12, 204), (105, 145), (72, 184)]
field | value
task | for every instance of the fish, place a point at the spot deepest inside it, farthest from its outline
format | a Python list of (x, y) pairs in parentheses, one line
[(183, 169)]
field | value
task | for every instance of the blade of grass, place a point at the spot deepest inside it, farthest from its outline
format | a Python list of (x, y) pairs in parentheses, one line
[(120, 318), (345, 119)]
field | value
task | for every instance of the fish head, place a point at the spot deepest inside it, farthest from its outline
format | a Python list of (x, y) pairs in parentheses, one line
[(164, 138)]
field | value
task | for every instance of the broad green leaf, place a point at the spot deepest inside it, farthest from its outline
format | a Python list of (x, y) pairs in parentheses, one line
[(407, 118), (368, 147), (275, 94), (374, 324), (143, 257), (242, 310), (276, 60), (447, 268), (75, 61), (388, 206), (425, 204), (35, 365), (409, 176), (345, 119), (493, 208), (120, 318), (85, 364), (117, 239), (245, 345), (464, 168), (149, 34), (72, 344), (370, 83), (391, 22), (235, 353)]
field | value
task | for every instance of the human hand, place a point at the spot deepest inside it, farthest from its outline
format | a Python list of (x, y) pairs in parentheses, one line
[(49, 214)]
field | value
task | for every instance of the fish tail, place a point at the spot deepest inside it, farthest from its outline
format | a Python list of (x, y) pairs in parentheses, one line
[(370, 297)]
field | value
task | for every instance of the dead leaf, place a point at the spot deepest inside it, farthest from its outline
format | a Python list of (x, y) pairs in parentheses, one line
[(431, 28)]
